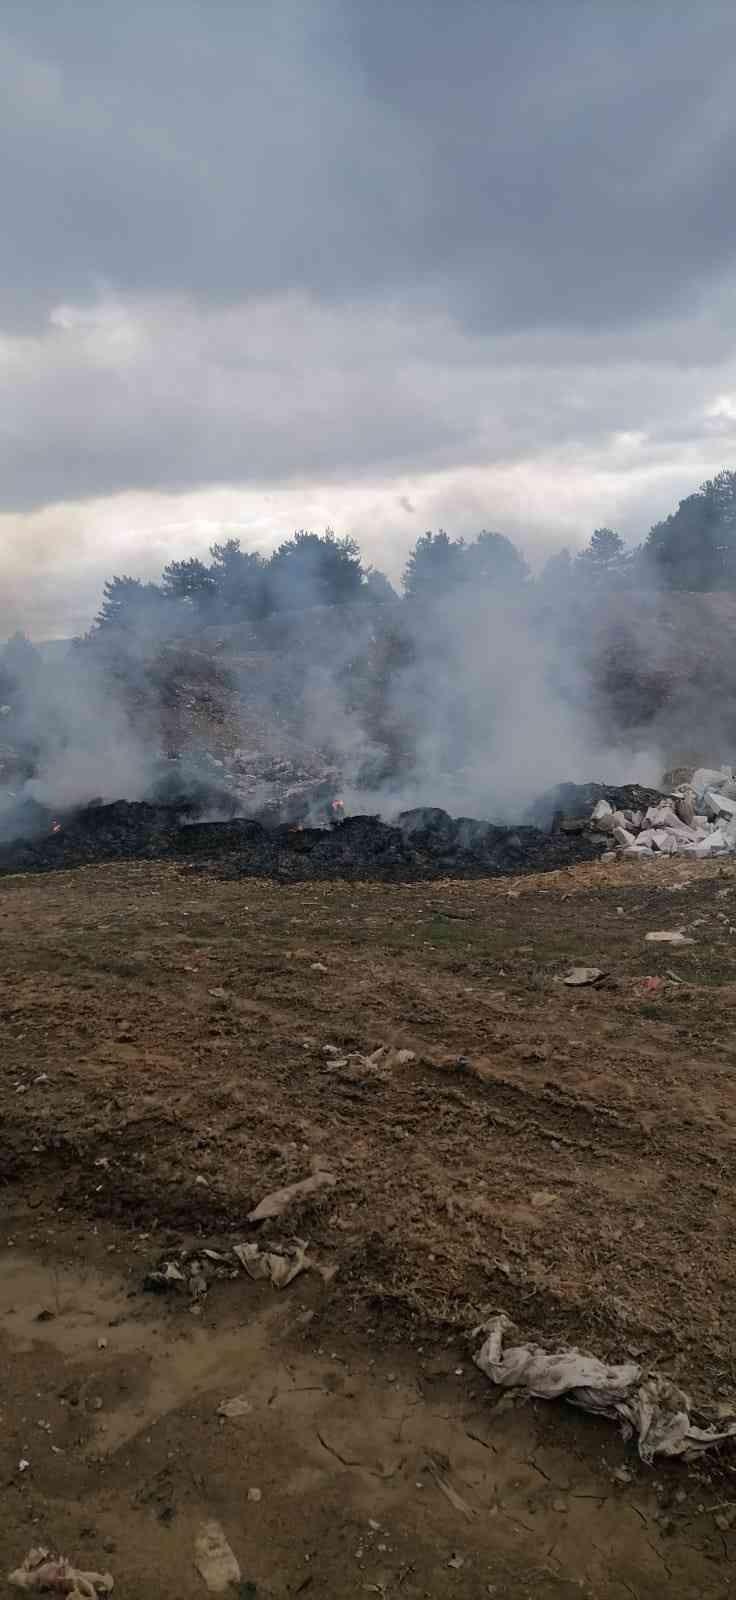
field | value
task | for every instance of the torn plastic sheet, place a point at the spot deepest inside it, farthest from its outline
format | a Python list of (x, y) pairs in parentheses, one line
[(53, 1574), (649, 1407), (279, 1266)]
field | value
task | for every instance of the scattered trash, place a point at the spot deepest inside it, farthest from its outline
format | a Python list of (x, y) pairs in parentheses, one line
[(49, 1573), (237, 1407), (455, 1499), (356, 1066), (192, 1273), (214, 1559), (457, 1562), (255, 1495), (102, 1344), (276, 1203), (651, 985), (673, 936), (542, 1198), (318, 966), (169, 1276), (648, 1406), (278, 1266), (582, 977)]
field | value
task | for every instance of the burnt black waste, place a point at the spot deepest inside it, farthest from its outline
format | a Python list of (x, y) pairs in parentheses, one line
[(424, 843)]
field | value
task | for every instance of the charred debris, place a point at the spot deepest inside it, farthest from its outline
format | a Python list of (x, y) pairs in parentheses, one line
[(421, 843)]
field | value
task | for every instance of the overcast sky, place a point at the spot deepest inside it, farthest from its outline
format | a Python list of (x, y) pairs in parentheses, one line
[(382, 264)]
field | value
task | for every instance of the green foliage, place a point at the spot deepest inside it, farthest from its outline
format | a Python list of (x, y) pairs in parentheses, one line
[(493, 561), (434, 566), (695, 547), (438, 565), (312, 569), (376, 587), (189, 580), (241, 580), (604, 563), (129, 605)]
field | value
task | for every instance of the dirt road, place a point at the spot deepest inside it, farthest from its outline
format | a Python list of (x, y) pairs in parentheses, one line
[(174, 1048)]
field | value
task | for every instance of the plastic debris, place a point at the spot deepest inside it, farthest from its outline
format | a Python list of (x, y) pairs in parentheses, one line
[(668, 936), (214, 1559), (647, 1406), (276, 1203), (279, 1266), (169, 1276), (53, 1574), (237, 1407), (582, 977)]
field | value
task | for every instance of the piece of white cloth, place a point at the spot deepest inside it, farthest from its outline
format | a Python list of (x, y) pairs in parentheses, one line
[(648, 1406)]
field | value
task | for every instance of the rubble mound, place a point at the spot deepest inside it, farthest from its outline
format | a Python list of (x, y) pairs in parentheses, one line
[(568, 802), (424, 843), (697, 818)]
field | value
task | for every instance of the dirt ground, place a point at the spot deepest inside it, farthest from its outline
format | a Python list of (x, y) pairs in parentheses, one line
[(176, 1047)]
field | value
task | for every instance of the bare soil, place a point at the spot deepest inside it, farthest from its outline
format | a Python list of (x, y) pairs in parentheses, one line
[(564, 1154)]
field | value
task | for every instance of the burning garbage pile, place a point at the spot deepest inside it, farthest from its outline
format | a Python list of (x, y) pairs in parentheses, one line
[(421, 844), (698, 819)]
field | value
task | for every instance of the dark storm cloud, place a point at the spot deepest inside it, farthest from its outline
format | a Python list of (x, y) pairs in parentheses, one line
[(523, 163)]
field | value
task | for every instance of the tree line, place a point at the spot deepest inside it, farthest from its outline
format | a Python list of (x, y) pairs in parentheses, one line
[(692, 549)]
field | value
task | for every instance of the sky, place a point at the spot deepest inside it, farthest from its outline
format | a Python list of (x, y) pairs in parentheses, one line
[(379, 266)]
